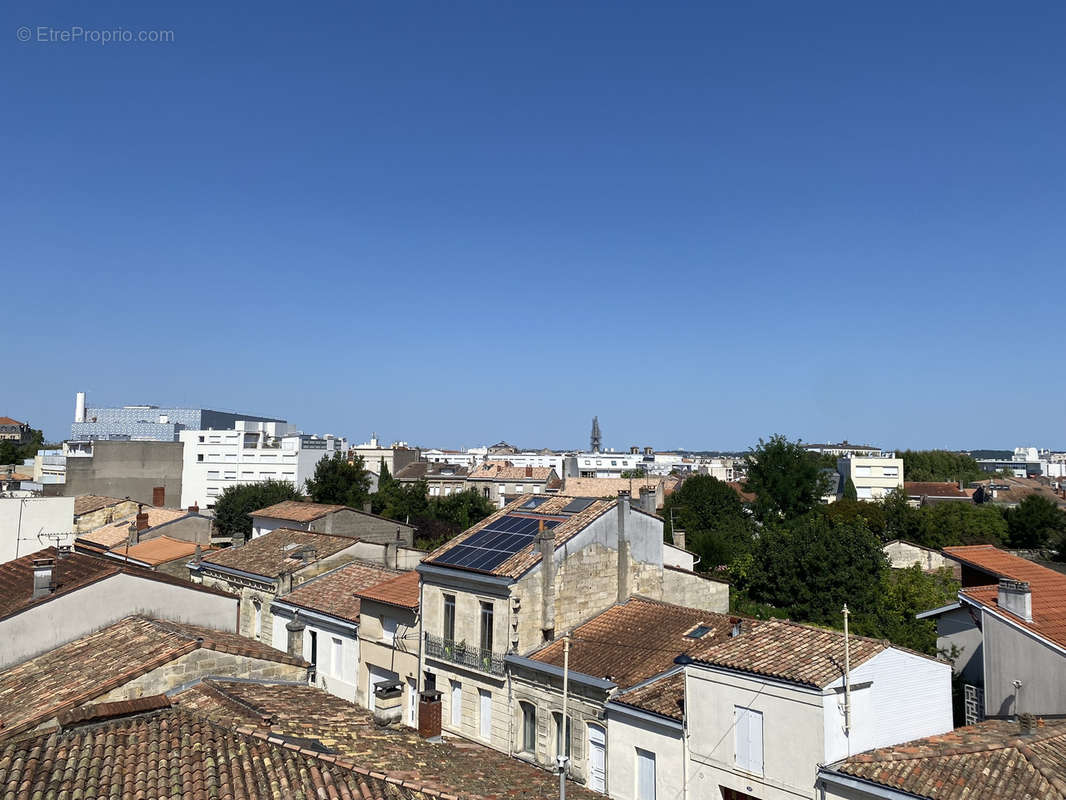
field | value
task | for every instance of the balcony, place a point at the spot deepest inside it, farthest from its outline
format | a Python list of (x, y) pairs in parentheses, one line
[(464, 655)]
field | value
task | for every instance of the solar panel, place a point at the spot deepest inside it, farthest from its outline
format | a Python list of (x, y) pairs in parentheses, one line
[(495, 543), (534, 502), (577, 505)]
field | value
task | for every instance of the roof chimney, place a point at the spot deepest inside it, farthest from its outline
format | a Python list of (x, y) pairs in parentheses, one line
[(42, 576), (545, 543), (1015, 597), (529, 472), (79, 407), (194, 508), (623, 547), (142, 522)]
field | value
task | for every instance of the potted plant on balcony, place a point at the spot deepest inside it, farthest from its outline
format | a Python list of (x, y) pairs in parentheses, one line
[(460, 650)]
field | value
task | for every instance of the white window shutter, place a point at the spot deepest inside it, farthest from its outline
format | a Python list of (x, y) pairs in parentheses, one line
[(755, 741), (743, 751)]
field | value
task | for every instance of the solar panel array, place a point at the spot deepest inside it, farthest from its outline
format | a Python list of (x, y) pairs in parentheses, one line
[(495, 543), (577, 505), (534, 502)]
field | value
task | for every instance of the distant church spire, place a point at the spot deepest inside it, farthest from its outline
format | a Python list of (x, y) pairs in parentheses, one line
[(594, 440)]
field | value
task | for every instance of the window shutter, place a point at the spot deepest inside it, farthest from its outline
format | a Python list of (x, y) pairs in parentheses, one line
[(645, 775), (743, 752), (755, 741)]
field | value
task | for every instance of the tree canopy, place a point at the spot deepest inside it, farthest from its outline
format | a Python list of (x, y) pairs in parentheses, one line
[(813, 565), (237, 502), (717, 528), (939, 465), (786, 479), (340, 482), (11, 452), (1036, 523)]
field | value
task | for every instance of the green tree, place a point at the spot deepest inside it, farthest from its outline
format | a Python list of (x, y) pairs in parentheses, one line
[(902, 520), (462, 509), (939, 465), (340, 482), (402, 500), (786, 479), (904, 594), (850, 492), (710, 512), (12, 452), (812, 566), (384, 476), (1036, 523), (872, 515), (237, 502), (955, 523)]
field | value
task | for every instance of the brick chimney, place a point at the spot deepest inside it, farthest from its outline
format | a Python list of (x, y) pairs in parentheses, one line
[(194, 508), (142, 522), (623, 547), (545, 543), (529, 472)]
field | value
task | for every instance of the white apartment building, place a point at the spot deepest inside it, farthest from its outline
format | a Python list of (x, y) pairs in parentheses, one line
[(461, 458), (607, 464), (252, 452), (874, 476), (395, 457)]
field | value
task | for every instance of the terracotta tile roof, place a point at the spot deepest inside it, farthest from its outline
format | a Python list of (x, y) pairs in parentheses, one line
[(18, 476), (456, 765), (934, 489), (987, 761), (1020, 488), (608, 487), (636, 640), (115, 708), (71, 572), (271, 555), (401, 591), (1048, 588), (88, 503), (528, 557), (296, 511), (333, 593), (420, 470), (665, 696), (173, 753), (159, 550), (79, 671), (792, 652), (497, 471), (9, 421), (117, 532)]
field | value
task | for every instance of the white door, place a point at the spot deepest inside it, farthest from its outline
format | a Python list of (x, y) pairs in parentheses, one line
[(457, 704), (597, 759), (412, 702), (645, 775), (377, 675), (486, 713)]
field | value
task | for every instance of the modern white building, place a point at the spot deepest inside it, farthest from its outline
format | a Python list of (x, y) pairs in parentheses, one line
[(874, 476), (252, 452), (395, 457), (462, 458)]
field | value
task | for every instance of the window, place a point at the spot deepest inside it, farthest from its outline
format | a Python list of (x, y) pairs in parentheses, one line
[(748, 734), (645, 774), (562, 744), (486, 628), (457, 704), (449, 617), (338, 656), (529, 728), (313, 655), (257, 609), (699, 632), (890, 472), (862, 472), (485, 723), (434, 491), (201, 439), (864, 493), (388, 630), (200, 456)]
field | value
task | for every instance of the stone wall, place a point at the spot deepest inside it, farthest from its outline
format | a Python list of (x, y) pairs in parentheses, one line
[(104, 516), (367, 527), (199, 664), (695, 591)]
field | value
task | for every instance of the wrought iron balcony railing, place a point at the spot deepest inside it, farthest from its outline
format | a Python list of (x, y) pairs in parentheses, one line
[(464, 655)]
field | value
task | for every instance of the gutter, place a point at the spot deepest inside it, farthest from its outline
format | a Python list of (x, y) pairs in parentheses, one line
[(618, 707), (936, 612), (336, 622), (868, 788), (550, 669)]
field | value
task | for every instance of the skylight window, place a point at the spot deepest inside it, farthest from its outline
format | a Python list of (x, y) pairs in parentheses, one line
[(698, 632)]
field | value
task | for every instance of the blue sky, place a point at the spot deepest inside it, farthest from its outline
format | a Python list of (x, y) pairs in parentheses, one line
[(456, 223)]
